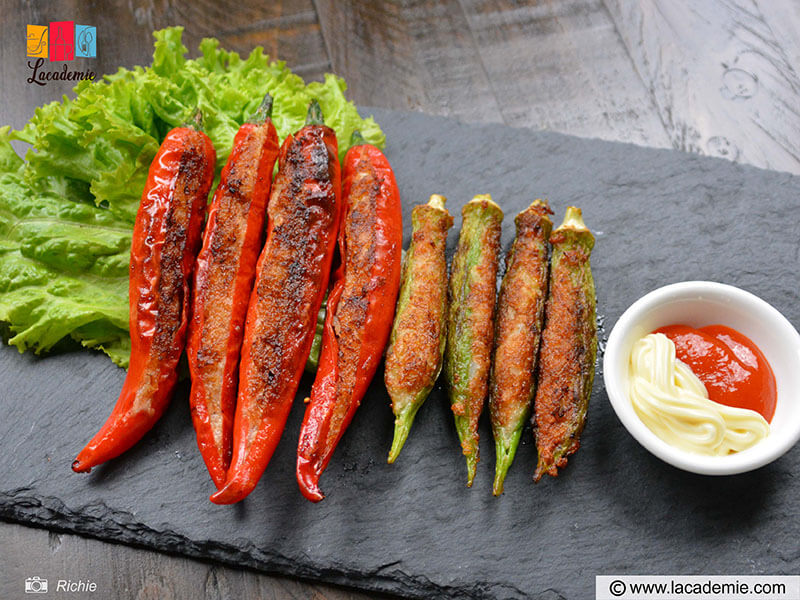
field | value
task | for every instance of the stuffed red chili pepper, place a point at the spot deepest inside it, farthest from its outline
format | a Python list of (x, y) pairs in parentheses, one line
[(360, 308), (291, 280), (166, 237), (223, 281)]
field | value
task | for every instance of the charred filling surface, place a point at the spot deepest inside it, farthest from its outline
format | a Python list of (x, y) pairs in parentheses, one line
[(520, 312), (302, 209), (167, 303), (224, 263), (566, 361), (414, 359), (360, 280)]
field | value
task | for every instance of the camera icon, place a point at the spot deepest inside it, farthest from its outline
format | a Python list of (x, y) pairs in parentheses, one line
[(35, 585)]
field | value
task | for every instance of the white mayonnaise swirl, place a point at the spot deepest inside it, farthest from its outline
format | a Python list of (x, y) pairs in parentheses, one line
[(674, 404)]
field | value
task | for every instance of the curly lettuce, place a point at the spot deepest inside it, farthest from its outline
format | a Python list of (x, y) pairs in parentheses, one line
[(67, 210)]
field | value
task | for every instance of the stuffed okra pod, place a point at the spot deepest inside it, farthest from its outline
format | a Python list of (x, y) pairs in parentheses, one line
[(569, 347), (518, 328), (470, 328), (419, 334)]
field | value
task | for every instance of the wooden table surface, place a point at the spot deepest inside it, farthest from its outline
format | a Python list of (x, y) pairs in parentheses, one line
[(716, 77)]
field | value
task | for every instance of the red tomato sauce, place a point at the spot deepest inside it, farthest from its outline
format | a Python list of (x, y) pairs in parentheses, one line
[(733, 369)]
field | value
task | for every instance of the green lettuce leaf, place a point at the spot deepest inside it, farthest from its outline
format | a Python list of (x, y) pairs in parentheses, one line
[(67, 210)]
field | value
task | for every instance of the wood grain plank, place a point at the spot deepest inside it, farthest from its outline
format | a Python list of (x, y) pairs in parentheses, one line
[(783, 18), (562, 66), (133, 573), (410, 54), (287, 29), (293, 38), (723, 81)]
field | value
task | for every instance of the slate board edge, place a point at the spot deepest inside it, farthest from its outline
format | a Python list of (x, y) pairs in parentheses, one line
[(40, 512)]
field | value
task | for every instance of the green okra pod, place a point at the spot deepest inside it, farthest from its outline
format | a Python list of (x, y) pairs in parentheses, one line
[(569, 347), (518, 327), (470, 326), (417, 342)]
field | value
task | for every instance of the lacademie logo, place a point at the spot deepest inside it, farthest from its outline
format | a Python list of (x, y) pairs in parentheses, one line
[(60, 41)]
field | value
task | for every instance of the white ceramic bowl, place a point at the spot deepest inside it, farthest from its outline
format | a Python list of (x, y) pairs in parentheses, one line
[(697, 304)]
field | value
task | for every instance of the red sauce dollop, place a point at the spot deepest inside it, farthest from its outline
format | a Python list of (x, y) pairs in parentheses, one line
[(733, 369)]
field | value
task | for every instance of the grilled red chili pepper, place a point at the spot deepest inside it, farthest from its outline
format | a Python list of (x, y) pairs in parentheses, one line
[(166, 237), (223, 281), (291, 280), (360, 308)]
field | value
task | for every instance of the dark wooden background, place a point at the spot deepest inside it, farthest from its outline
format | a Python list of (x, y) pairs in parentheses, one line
[(717, 77)]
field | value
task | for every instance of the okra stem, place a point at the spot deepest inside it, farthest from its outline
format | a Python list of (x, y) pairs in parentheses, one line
[(437, 201)]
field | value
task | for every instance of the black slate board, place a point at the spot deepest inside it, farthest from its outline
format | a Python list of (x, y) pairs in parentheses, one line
[(414, 528)]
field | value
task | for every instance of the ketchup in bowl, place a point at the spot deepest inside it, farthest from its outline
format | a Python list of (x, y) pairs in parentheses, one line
[(733, 369)]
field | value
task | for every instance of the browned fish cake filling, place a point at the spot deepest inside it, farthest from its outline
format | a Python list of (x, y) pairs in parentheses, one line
[(520, 313), (301, 210), (414, 358), (167, 266), (565, 361), (351, 311), (225, 249)]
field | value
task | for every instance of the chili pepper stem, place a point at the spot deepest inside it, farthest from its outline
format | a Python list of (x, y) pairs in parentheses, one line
[(195, 121), (314, 115), (357, 139), (312, 363), (263, 112), (505, 451)]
